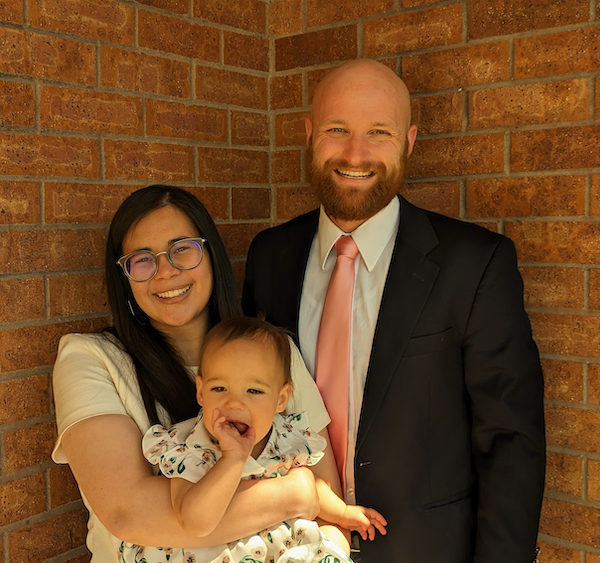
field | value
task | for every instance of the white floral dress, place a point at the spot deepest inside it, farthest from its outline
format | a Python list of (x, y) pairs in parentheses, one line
[(186, 450)]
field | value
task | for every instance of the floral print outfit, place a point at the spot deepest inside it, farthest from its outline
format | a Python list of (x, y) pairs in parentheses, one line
[(187, 450)]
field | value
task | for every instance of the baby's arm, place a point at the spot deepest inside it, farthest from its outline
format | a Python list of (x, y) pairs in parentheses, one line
[(199, 507)]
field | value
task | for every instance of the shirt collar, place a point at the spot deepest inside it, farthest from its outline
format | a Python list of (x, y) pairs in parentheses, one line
[(371, 237)]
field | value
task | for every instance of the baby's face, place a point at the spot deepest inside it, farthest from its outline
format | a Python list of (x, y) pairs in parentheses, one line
[(244, 380)]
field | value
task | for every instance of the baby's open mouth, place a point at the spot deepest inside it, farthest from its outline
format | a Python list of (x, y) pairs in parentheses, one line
[(240, 426)]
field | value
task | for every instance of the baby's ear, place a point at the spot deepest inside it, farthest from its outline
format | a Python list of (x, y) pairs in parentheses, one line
[(199, 390), (284, 397)]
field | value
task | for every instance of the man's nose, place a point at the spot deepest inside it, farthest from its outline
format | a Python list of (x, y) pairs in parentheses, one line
[(356, 150)]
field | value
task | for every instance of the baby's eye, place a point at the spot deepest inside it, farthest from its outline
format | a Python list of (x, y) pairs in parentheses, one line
[(255, 391), (218, 389)]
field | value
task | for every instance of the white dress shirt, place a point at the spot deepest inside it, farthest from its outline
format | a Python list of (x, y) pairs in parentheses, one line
[(375, 239)]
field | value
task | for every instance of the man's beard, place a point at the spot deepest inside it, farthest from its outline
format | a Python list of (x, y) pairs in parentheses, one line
[(355, 204)]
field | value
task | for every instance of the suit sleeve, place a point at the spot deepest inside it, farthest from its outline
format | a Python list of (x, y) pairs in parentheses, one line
[(505, 385)]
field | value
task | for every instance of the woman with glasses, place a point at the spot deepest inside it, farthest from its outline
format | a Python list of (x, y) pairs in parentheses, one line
[(169, 280)]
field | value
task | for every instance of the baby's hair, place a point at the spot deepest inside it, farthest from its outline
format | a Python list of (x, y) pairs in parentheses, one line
[(249, 328)]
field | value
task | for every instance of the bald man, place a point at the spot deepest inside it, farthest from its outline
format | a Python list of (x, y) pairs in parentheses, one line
[(446, 428)]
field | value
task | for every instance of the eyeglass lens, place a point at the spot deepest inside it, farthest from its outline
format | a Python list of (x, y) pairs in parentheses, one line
[(184, 255)]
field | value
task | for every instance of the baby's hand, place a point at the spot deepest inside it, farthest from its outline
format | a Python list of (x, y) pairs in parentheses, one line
[(230, 439), (364, 521)]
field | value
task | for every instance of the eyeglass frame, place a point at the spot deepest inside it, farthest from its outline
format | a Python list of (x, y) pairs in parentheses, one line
[(121, 261)]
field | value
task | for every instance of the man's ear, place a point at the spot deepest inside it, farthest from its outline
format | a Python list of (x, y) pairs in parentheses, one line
[(411, 137), (308, 128), (199, 390), (284, 397)]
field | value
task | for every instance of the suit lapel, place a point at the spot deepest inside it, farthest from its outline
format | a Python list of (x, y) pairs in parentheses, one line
[(410, 278), (288, 273)]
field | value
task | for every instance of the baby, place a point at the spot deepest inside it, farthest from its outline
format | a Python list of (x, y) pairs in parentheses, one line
[(243, 385)]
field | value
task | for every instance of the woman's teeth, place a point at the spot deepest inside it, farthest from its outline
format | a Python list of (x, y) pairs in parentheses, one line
[(351, 174), (173, 293)]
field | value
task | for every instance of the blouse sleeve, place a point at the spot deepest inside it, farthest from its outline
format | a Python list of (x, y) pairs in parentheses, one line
[(306, 396)]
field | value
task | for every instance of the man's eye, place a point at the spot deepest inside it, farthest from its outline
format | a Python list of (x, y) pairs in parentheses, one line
[(336, 130), (381, 132)]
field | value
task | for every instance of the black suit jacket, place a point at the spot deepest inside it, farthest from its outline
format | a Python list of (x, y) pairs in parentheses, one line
[(450, 444)]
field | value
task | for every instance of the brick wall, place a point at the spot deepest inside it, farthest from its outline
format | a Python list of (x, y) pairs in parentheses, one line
[(100, 97)]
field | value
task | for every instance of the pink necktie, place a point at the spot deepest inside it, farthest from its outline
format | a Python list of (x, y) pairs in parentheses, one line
[(332, 360)]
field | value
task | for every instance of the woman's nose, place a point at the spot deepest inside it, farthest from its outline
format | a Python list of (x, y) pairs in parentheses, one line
[(164, 268)]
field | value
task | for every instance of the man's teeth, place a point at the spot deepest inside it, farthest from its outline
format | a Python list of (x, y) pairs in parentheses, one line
[(174, 292), (352, 174)]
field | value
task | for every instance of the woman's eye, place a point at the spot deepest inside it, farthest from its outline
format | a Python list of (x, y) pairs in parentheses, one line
[(142, 258)]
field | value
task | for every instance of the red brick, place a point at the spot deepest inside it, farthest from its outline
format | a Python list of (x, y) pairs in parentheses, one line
[(570, 335), (595, 195), (285, 17), (52, 249), (49, 538), (526, 197), (19, 203), (41, 56), (550, 553), (595, 289), (28, 347), (233, 165), (84, 110), (11, 11), (249, 129), (457, 68), (243, 14), (228, 87), (251, 203), (127, 70), (175, 6), (314, 77), (553, 149), (216, 201), (473, 154), (294, 201), (440, 197), (21, 399), (589, 558), (564, 473), (178, 36), (246, 51), (573, 522), (558, 53), (290, 129), (17, 105), (172, 119), (22, 498), (286, 91), (77, 294), (437, 114), (83, 203), (22, 299), (572, 428), (28, 446), (594, 384), (413, 30), (529, 104), (237, 237), (316, 47), (321, 13), (286, 167), (133, 160), (98, 19), (553, 287), (553, 241), (413, 3), (32, 155), (239, 273), (515, 16), (594, 480), (563, 381), (63, 487), (598, 97)]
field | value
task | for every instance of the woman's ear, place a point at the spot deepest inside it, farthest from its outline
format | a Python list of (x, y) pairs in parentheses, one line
[(284, 397)]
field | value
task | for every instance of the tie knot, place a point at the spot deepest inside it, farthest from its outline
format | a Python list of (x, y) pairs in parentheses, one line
[(345, 246)]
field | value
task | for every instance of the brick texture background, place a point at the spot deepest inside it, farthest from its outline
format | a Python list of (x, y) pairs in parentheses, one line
[(101, 97)]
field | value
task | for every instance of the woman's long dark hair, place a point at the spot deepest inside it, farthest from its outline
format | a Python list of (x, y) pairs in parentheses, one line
[(161, 373)]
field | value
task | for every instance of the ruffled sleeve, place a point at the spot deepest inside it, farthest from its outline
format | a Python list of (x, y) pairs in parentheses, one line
[(175, 456), (292, 443)]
